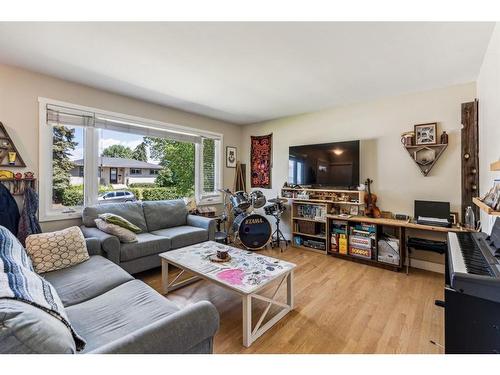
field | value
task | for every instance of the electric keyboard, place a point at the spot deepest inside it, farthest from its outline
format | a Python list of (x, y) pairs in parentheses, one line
[(473, 268), (472, 292)]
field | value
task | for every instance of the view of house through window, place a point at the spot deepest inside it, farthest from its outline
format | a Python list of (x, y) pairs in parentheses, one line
[(130, 167), (145, 168)]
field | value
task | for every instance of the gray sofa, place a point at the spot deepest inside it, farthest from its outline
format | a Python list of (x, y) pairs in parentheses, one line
[(111, 310), (165, 225)]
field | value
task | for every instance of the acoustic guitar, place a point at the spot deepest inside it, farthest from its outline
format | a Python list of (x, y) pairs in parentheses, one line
[(371, 209)]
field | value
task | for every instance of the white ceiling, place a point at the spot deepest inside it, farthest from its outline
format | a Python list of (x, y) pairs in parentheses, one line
[(250, 72)]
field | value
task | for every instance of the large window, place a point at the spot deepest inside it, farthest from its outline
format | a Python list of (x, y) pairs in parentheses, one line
[(68, 170), (101, 157)]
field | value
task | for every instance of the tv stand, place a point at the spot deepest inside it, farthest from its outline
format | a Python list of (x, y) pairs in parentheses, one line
[(309, 210)]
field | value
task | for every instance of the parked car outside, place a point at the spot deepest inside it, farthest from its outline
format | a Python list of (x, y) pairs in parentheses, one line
[(116, 196)]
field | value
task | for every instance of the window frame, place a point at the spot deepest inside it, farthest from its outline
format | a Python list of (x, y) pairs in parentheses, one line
[(91, 157)]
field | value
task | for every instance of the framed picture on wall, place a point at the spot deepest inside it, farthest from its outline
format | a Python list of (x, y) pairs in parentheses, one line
[(231, 157), (426, 134)]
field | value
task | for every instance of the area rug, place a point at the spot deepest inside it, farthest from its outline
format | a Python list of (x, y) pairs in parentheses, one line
[(261, 161)]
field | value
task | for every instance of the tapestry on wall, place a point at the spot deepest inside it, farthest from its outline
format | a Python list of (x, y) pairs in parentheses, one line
[(261, 161)]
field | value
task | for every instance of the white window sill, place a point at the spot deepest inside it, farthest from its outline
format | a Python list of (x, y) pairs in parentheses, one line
[(210, 200), (60, 216)]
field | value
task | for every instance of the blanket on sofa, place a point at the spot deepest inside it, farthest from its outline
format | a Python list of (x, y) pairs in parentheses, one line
[(20, 282)]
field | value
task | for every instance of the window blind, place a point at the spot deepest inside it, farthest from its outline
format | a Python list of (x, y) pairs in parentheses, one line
[(208, 166), (57, 115)]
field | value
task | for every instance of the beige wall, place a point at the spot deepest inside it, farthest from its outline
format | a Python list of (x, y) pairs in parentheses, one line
[(379, 124), (488, 89), (19, 92)]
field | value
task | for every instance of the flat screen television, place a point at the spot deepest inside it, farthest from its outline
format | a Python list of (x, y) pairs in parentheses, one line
[(327, 165)]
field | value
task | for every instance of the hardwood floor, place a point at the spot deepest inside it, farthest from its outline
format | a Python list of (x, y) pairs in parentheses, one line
[(340, 307)]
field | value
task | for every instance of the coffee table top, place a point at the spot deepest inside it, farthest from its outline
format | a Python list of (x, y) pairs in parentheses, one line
[(246, 271)]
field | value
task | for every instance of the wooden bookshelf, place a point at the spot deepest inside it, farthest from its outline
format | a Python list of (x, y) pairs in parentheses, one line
[(327, 200), (308, 219), (484, 207), (322, 237), (396, 227)]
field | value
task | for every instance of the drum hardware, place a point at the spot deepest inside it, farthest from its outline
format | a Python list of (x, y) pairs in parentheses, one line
[(257, 199), (276, 209), (240, 201), (221, 234), (253, 231)]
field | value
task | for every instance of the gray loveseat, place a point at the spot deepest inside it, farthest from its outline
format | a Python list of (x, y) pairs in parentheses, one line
[(165, 225), (111, 310)]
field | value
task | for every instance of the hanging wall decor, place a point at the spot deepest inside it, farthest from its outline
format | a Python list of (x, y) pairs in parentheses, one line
[(261, 161), (9, 156), (231, 157)]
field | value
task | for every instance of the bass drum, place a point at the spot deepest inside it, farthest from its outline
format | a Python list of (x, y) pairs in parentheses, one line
[(254, 231)]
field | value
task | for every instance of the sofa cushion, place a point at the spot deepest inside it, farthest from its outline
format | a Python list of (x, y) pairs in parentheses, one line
[(118, 312), (87, 280), (132, 211), (120, 221), (28, 329), (124, 235), (165, 214), (57, 250), (147, 244), (183, 236)]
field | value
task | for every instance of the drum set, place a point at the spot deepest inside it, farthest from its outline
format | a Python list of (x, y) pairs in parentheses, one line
[(251, 229)]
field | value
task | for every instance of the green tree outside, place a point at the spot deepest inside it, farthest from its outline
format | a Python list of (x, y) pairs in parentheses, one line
[(178, 157), (140, 152), (118, 151), (62, 145)]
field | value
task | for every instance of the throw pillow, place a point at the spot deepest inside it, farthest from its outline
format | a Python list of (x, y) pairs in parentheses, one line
[(57, 250), (123, 234), (120, 221)]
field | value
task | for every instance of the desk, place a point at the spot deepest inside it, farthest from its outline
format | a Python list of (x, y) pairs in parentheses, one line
[(399, 227), (397, 223)]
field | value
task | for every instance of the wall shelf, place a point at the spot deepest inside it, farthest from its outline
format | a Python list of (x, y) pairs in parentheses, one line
[(7, 147), (495, 166), (425, 156), (483, 206)]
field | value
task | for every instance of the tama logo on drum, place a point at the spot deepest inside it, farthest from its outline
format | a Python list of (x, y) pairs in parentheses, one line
[(257, 220)]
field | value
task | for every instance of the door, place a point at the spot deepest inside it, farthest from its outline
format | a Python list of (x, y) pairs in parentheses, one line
[(113, 175)]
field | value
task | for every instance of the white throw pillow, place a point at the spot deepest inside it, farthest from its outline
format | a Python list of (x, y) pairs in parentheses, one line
[(124, 235), (57, 250)]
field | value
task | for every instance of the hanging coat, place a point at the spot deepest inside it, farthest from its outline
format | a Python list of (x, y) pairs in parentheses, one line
[(29, 222), (9, 212)]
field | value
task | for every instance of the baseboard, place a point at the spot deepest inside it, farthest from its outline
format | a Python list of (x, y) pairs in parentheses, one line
[(428, 266)]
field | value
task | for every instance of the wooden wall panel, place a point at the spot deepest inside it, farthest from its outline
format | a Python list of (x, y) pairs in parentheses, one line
[(470, 157)]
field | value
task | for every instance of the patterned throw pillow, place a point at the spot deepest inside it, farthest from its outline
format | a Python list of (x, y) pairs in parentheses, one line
[(57, 250), (120, 221), (123, 234)]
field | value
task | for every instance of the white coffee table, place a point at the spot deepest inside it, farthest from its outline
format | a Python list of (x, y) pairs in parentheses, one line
[(247, 273)]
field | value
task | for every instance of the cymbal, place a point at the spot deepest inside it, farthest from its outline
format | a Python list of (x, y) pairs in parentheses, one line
[(277, 200)]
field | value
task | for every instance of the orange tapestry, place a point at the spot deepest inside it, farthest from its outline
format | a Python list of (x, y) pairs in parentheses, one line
[(261, 161)]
